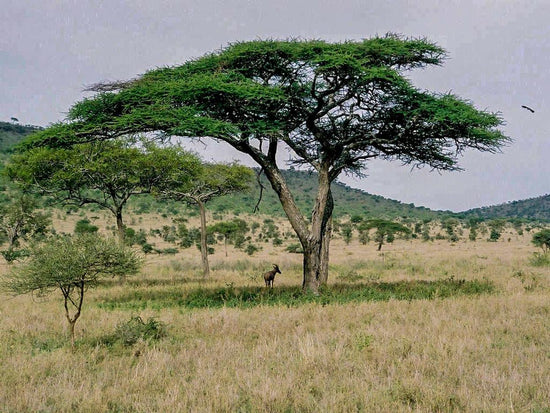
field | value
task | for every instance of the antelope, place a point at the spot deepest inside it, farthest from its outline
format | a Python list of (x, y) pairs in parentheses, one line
[(270, 275)]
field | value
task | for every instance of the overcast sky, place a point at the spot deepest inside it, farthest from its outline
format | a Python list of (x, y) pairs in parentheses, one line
[(499, 56)]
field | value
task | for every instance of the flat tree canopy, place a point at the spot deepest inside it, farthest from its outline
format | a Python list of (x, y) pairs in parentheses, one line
[(335, 105)]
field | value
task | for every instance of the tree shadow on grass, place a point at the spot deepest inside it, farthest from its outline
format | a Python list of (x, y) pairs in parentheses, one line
[(252, 296)]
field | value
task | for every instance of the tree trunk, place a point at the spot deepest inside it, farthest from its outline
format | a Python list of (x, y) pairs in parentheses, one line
[(71, 331), (204, 245), (119, 226), (316, 248), (315, 242), (323, 275)]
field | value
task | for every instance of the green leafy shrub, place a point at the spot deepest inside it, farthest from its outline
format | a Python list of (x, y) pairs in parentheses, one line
[(295, 249), (130, 332), (251, 249), (84, 226), (540, 259)]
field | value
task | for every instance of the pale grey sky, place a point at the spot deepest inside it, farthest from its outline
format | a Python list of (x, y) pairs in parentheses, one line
[(499, 53)]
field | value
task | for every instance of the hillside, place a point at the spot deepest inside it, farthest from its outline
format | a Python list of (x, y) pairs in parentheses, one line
[(12, 133), (348, 201), (534, 208)]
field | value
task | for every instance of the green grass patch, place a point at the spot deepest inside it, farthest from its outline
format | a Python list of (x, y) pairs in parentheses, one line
[(247, 297)]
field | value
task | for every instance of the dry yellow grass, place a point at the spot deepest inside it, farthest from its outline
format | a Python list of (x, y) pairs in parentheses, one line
[(484, 353)]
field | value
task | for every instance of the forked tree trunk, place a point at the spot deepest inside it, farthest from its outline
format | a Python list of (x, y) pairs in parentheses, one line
[(314, 240), (78, 305), (204, 245)]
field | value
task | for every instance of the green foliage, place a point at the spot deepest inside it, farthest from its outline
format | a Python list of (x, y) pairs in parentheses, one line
[(494, 235), (248, 297), (72, 265), (541, 239), (68, 262), (84, 226), (135, 329), (540, 260), (13, 133), (347, 232), (230, 229), (347, 200), (356, 219), (105, 174), (336, 105), (131, 237), (532, 209), (295, 248), (385, 230), (21, 220), (251, 249)]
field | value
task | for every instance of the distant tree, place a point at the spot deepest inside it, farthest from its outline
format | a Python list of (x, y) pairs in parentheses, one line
[(210, 181), (496, 227), (230, 230), (72, 265), (336, 106), (106, 174), (385, 230), (542, 239), (20, 219), (449, 225), (347, 232)]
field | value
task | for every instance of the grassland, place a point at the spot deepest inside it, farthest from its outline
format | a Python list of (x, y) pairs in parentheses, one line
[(421, 326)]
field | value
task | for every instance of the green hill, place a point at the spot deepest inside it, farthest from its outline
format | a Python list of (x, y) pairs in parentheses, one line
[(12, 133), (534, 209), (348, 201)]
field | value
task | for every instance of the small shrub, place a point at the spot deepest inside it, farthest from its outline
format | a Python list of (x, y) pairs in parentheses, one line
[(147, 248), (84, 226), (540, 259), (251, 249), (130, 332), (295, 249), (10, 255)]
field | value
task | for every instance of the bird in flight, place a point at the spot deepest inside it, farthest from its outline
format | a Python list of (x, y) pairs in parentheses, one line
[(528, 108)]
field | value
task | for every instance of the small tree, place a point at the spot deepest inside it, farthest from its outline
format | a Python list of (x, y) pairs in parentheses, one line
[(210, 181), (72, 265), (347, 232), (106, 174), (230, 230), (496, 226), (385, 230), (449, 226), (20, 220), (542, 240)]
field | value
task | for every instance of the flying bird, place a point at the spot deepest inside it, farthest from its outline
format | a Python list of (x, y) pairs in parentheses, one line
[(528, 108)]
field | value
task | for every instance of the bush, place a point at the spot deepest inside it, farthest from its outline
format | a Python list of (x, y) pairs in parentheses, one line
[(130, 332), (84, 226), (295, 249), (542, 240), (251, 249), (540, 260)]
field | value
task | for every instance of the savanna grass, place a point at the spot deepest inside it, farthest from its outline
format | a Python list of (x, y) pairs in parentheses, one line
[(292, 296)]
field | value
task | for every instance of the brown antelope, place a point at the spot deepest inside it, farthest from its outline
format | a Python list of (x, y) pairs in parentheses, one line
[(270, 275)]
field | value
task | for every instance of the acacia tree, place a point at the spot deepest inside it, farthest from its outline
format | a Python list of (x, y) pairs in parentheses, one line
[(72, 265), (209, 182), (230, 230), (385, 230), (106, 173), (335, 105), (20, 219), (542, 239)]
